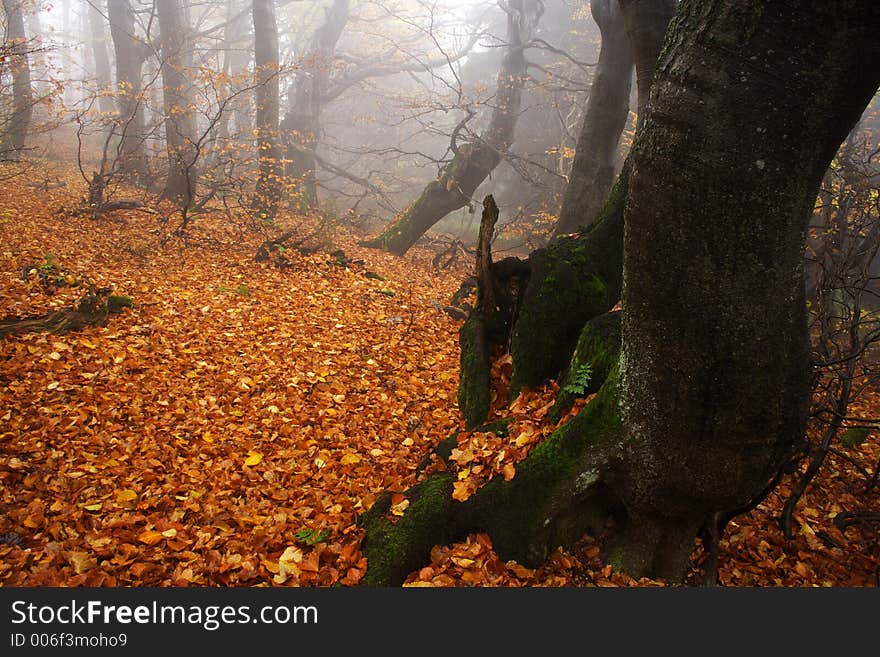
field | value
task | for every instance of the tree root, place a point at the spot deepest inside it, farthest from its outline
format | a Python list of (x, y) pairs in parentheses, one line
[(92, 309)]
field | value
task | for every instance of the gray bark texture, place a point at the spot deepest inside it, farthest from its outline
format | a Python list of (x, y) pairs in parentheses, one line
[(749, 103)]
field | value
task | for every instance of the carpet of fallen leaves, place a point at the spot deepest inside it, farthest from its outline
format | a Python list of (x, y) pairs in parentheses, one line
[(230, 427)]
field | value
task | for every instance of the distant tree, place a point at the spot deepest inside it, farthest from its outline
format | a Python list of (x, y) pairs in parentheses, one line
[(592, 172), (15, 46), (709, 399), (302, 121), (474, 160), (269, 184), (97, 32), (178, 101), (130, 55)]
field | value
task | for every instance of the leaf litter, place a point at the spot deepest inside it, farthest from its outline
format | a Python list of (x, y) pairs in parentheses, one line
[(215, 439)]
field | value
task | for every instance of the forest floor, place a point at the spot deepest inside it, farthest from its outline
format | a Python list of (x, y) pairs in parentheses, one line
[(230, 427)]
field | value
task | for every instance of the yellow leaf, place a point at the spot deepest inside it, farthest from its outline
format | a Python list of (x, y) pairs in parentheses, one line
[(523, 439), (254, 458), (93, 507), (349, 458), (170, 533), (287, 565), (126, 495), (398, 509), (150, 537), (461, 491)]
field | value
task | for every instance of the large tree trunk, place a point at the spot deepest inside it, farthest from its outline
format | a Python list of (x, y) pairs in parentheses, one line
[(302, 121), (474, 161), (269, 183), (713, 412), (712, 389), (97, 31), (16, 129), (592, 171), (180, 120), (130, 54)]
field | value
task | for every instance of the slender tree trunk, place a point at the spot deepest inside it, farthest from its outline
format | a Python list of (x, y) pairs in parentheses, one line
[(180, 123), (712, 389), (97, 30), (15, 133), (269, 184), (233, 60), (302, 121), (130, 54), (474, 161), (646, 23), (592, 172)]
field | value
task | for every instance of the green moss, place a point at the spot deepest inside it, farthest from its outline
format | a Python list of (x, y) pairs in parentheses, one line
[(474, 372), (598, 348), (567, 468), (115, 304), (572, 281), (395, 546)]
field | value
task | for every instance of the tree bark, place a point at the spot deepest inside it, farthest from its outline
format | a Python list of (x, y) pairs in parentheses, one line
[(474, 161), (749, 104), (130, 55), (302, 121), (592, 172), (747, 110), (269, 184), (15, 133), (180, 122)]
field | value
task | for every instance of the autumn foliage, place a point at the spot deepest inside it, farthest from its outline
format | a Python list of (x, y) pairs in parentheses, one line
[(230, 427)]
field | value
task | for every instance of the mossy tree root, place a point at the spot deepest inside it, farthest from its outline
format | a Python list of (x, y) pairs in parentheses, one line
[(91, 310), (559, 492)]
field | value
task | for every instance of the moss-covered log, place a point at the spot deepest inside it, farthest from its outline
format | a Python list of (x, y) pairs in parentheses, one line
[(473, 161), (572, 281), (450, 192), (91, 310), (559, 493)]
